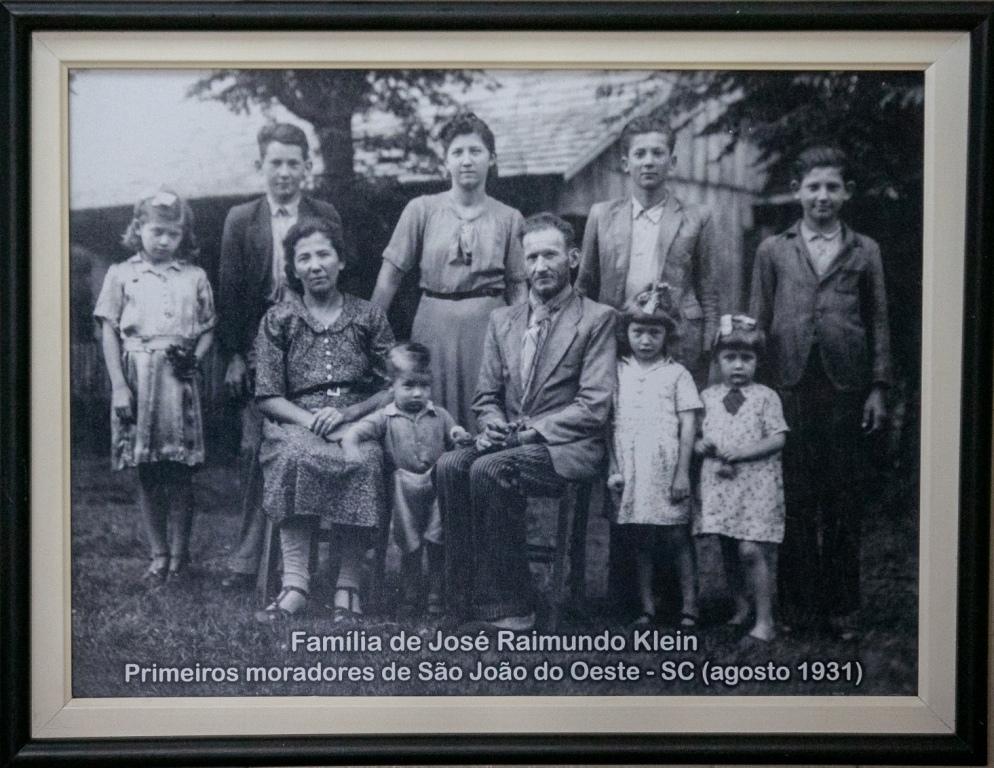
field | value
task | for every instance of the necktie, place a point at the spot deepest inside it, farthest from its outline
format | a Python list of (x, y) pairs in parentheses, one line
[(532, 342), (733, 400)]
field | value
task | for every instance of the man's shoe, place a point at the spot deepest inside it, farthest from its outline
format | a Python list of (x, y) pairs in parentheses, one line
[(515, 623), (238, 581)]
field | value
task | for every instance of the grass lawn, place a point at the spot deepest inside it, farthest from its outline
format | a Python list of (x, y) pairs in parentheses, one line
[(118, 621)]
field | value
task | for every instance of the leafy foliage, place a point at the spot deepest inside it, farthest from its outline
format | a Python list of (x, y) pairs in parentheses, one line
[(876, 117), (330, 99)]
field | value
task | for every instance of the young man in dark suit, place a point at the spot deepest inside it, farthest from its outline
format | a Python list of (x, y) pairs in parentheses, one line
[(250, 280)]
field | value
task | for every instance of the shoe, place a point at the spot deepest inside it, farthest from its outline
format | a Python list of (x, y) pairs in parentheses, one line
[(158, 569), (688, 620), (342, 613), (645, 619), (275, 613), (436, 605), (238, 581), (521, 623), (179, 567), (844, 628)]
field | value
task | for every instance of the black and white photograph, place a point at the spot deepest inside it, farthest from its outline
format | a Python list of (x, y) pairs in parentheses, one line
[(495, 382)]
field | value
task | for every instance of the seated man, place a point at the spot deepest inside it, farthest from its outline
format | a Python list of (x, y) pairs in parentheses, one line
[(542, 402)]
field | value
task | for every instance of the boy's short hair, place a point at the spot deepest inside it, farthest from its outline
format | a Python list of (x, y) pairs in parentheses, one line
[(646, 124), (408, 357), (284, 133), (165, 205), (545, 220), (464, 124), (820, 156), (306, 227)]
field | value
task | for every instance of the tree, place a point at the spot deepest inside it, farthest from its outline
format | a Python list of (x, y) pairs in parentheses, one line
[(329, 99)]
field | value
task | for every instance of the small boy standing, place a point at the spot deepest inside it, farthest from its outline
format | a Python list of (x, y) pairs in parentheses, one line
[(818, 294), (414, 432)]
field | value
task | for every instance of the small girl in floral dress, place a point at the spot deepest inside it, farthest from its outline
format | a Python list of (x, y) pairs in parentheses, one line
[(157, 318), (741, 481), (654, 425)]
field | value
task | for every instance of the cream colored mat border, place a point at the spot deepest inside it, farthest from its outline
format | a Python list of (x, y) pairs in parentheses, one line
[(55, 714)]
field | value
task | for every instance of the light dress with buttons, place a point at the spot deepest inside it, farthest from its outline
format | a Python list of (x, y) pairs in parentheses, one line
[(314, 366), (646, 439), (153, 307)]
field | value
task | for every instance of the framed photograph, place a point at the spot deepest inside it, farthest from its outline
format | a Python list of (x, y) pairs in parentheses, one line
[(402, 382)]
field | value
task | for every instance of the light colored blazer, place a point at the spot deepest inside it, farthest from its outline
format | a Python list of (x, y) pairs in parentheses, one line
[(688, 249), (569, 401)]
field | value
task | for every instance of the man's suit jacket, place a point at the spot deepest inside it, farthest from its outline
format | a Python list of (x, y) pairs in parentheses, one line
[(844, 311), (569, 400), (245, 269), (688, 250)]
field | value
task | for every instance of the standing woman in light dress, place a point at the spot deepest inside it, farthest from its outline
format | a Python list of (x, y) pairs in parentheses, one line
[(468, 249)]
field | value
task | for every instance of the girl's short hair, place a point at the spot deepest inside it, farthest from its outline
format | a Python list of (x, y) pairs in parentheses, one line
[(408, 357), (465, 123), (306, 227), (166, 206), (739, 332), (653, 306)]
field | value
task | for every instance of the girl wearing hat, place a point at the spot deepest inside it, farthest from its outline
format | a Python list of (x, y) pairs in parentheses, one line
[(741, 482), (653, 439), (157, 317)]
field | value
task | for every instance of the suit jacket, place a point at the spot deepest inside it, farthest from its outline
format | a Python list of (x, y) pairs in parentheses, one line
[(688, 250), (569, 400), (246, 266), (844, 311)]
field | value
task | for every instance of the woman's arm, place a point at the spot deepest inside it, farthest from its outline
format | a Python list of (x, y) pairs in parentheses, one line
[(387, 283), (758, 450), (283, 411), (366, 407)]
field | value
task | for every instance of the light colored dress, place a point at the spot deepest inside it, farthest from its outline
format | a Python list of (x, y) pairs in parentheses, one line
[(153, 307), (646, 439), (314, 366), (749, 505), (468, 263)]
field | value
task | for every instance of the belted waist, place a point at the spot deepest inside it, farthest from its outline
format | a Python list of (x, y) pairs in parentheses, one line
[(152, 343), (336, 389), (479, 293)]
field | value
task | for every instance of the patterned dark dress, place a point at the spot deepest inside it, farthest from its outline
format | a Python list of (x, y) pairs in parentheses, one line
[(314, 367)]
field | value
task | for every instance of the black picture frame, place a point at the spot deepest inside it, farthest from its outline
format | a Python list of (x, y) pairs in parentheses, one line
[(18, 20)]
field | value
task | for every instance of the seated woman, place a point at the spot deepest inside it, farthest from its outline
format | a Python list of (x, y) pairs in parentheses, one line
[(319, 365)]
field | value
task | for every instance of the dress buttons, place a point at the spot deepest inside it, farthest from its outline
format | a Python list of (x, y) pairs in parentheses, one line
[(328, 367)]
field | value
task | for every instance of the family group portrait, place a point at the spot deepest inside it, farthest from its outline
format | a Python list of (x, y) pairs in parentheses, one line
[(616, 372)]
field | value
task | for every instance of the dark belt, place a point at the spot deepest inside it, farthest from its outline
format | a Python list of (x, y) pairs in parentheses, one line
[(340, 387), (479, 293)]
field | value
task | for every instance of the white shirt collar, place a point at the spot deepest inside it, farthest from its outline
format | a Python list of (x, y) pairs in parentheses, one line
[(391, 409), (654, 214), (291, 207), (810, 235)]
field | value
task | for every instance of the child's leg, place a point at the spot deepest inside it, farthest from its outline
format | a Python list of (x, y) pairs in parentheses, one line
[(735, 578), (644, 572), (180, 515), (436, 568), (681, 545), (154, 509), (758, 559), (410, 577)]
